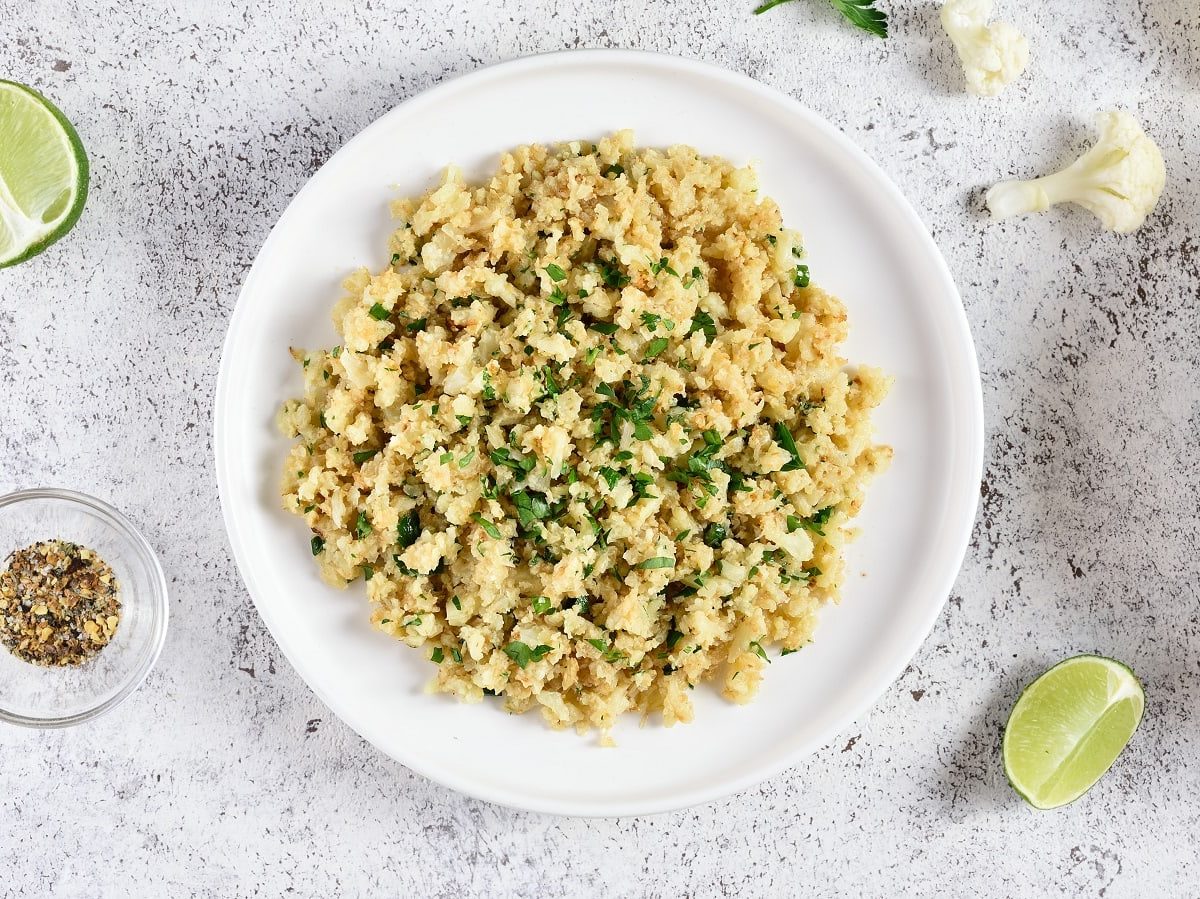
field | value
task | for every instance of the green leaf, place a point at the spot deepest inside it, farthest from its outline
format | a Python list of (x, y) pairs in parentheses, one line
[(656, 347), (785, 439), (408, 529), (756, 647), (800, 276), (438, 656), (379, 313), (610, 654), (715, 534), (541, 605), (362, 525), (492, 530), (702, 321), (861, 13), (555, 273), (363, 456), (522, 654), (655, 562), (318, 545), (606, 328)]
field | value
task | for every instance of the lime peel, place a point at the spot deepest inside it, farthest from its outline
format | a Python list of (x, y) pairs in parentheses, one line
[(43, 173), (1068, 727)]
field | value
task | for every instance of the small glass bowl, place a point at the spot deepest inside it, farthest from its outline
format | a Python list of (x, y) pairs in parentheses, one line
[(37, 696)]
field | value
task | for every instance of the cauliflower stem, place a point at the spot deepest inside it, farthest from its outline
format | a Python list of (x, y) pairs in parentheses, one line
[(1119, 179)]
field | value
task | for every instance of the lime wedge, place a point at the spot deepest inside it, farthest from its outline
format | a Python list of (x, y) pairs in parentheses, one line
[(1068, 727), (43, 173)]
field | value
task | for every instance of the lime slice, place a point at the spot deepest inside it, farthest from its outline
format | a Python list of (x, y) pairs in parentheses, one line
[(43, 173), (1068, 727)]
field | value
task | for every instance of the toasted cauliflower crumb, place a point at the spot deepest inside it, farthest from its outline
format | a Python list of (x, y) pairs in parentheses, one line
[(553, 441)]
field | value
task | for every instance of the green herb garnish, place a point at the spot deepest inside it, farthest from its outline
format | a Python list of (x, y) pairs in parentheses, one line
[(541, 605), (610, 654), (785, 439), (362, 526), (408, 529), (656, 347), (492, 530), (759, 651), (318, 545), (379, 313), (655, 562), (555, 272), (715, 534), (522, 654), (702, 321), (438, 656), (363, 456), (861, 13)]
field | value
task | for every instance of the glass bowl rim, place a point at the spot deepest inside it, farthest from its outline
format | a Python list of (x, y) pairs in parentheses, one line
[(148, 559)]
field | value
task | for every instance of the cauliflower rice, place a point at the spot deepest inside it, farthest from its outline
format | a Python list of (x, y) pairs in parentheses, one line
[(588, 438)]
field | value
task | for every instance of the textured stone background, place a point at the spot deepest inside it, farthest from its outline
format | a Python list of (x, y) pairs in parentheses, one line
[(224, 776)]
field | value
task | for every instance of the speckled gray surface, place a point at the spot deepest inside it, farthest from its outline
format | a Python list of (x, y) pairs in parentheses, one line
[(224, 776)]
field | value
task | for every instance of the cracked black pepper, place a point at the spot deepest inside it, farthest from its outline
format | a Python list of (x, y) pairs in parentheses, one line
[(59, 604)]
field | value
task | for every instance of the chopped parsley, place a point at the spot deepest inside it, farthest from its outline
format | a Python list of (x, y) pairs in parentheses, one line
[(611, 476), (531, 507), (800, 276), (491, 529), (816, 523), (655, 562), (715, 534), (704, 322), (363, 456), (408, 529), (465, 420), (521, 466), (656, 347), (663, 265), (541, 605), (555, 272), (362, 526), (785, 439), (318, 545), (758, 650), (612, 276), (610, 654), (606, 328), (629, 404), (466, 459), (379, 313), (522, 654), (438, 656)]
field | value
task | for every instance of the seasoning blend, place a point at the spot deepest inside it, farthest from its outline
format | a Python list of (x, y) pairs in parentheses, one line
[(59, 604)]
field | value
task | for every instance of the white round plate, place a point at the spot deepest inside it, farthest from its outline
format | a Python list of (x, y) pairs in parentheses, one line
[(865, 244)]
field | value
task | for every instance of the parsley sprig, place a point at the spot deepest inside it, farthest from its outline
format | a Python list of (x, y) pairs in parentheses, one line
[(861, 13)]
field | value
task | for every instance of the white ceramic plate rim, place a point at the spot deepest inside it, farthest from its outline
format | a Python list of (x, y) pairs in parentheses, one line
[(967, 452)]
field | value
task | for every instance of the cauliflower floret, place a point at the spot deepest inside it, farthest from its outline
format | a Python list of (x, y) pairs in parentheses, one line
[(1120, 179), (992, 55)]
